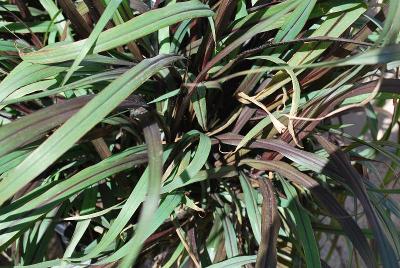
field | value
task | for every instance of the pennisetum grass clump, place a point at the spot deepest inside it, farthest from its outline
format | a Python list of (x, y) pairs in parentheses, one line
[(193, 133)]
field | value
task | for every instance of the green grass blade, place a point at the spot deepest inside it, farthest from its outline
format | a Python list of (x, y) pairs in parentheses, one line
[(166, 207), (200, 106), (136, 28), (24, 74), (235, 262), (55, 13), (91, 114), (229, 233), (90, 41), (303, 227), (154, 149), (251, 206)]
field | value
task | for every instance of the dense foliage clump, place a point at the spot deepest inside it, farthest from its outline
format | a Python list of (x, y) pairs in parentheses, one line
[(199, 134)]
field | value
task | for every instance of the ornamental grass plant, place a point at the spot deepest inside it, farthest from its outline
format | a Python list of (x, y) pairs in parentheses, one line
[(213, 133)]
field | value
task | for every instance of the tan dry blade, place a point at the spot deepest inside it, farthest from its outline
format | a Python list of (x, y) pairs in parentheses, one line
[(244, 98)]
